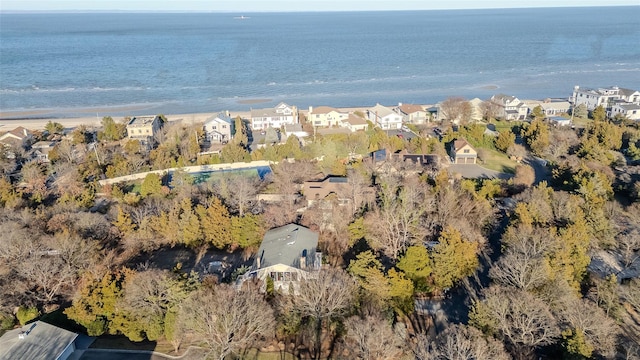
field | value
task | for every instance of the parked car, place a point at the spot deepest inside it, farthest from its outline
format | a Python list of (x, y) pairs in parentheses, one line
[(405, 128)]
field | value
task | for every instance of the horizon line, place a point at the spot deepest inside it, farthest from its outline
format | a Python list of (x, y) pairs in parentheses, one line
[(166, 11)]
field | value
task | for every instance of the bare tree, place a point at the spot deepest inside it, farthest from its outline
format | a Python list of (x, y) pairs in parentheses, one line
[(456, 109), (228, 321), (329, 296), (489, 109), (239, 191), (47, 274), (631, 293), (460, 342), (600, 331), (374, 338), (629, 247), (395, 223), (522, 319)]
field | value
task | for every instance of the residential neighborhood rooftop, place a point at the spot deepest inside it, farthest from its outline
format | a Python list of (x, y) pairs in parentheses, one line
[(35, 341), (141, 120), (283, 245)]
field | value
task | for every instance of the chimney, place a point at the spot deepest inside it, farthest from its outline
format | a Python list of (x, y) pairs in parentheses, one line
[(303, 262), (258, 262), (399, 104), (310, 109)]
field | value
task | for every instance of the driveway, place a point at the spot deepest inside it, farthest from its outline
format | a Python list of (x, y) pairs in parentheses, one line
[(473, 171)]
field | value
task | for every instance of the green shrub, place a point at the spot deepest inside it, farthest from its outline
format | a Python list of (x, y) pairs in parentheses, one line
[(7, 321), (26, 314)]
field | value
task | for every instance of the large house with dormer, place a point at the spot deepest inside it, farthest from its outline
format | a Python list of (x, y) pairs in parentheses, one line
[(384, 117), (219, 128), (412, 113), (605, 97), (18, 137), (510, 107), (276, 117), (325, 116), (287, 255)]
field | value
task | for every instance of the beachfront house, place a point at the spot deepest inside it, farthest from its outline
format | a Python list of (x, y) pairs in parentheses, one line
[(144, 129), (509, 107), (325, 116), (384, 117), (18, 137), (462, 153), (411, 113), (549, 107), (355, 123), (605, 97), (287, 255), (276, 117), (627, 110), (219, 128)]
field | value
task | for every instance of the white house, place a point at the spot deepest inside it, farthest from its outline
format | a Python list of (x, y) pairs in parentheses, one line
[(628, 110), (384, 117), (592, 98), (287, 255), (219, 128), (19, 136), (412, 113), (325, 116), (276, 117), (510, 107)]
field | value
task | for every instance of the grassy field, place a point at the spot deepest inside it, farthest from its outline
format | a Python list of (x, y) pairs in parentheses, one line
[(498, 161)]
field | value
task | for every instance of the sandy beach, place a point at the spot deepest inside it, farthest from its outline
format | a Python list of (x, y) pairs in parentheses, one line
[(31, 121)]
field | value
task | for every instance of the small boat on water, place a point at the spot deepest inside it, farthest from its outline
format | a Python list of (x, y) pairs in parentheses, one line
[(242, 17)]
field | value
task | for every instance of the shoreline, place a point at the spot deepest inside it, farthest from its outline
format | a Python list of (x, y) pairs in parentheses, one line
[(37, 119)]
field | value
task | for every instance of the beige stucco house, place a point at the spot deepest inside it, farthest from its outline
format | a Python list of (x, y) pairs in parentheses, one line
[(325, 116), (462, 153), (144, 129), (354, 123)]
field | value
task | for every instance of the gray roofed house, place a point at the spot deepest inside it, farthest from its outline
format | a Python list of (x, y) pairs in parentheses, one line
[(287, 255), (276, 117), (36, 341)]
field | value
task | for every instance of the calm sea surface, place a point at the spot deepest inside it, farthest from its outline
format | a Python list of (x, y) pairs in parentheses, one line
[(174, 63)]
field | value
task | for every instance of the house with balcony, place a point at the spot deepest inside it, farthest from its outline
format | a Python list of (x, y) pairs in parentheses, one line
[(325, 116), (510, 107), (384, 117), (144, 129), (219, 128), (412, 114), (605, 97), (276, 117), (287, 255)]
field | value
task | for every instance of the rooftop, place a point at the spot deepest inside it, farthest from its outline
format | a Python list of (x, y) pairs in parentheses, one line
[(142, 120), (285, 245), (35, 341)]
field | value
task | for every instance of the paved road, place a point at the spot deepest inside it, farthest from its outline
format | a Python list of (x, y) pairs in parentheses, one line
[(472, 171)]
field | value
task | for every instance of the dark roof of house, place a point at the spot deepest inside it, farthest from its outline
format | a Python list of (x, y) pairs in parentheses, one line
[(285, 245), (39, 341)]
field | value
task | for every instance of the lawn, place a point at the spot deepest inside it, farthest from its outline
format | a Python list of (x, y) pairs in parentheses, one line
[(498, 161)]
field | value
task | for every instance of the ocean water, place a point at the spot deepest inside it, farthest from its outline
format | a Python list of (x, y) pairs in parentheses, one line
[(130, 64)]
